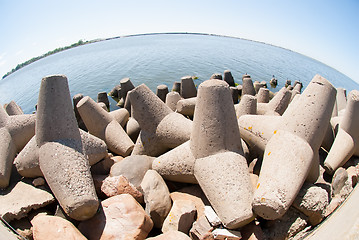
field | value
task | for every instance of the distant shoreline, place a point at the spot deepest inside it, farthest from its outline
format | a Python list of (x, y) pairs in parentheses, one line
[(81, 42)]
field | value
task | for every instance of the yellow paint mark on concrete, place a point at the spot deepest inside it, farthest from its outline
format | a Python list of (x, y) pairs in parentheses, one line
[(258, 185), (263, 199), (269, 153), (275, 131), (250, 128)]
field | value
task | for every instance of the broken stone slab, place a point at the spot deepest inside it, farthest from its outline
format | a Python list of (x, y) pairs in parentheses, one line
[(162, 91), (247, 86), (220, 168), (346, 141), (287, 226), (102, 98), (112, 186), (303, 126), (171, 100), (27, 161), (181, 216), (227, 77), (312, 201), (120, 217), (188, 89), (212, 216), (17, 201), (102, 125), (52, 227), (186, 196), (247, 106), (225, 234), (157, 197), (277, 105), (263, 95), (171, 235), (186, 106), (161, 129), (13, 109), (133, 168), (61, 156), (201, 229)]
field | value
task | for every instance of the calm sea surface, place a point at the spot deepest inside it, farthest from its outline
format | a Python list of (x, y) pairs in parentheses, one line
[(163, 59)]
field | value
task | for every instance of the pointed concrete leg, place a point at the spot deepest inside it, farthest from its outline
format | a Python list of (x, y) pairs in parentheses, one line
[(7, 155), (61, 157)]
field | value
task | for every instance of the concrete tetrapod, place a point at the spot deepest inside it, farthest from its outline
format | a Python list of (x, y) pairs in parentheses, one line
[(220, 168), (161, 128), (346, 143), (13, 109), (188, 89), (277, 105), (27, 161), (247, 86), (61, 156), (102, 125), (284, 170), (15, 132)]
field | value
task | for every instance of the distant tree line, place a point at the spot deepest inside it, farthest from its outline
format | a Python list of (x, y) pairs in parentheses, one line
[(21, 65)]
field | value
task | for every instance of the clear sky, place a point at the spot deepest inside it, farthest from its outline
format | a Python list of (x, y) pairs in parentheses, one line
[(326, 30)]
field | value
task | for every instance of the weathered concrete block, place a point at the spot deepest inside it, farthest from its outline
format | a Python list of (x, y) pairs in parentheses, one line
[(277, 105), (234, 94), (102, 98), (341, 99), (263, 95), (171, 100), (162, 91), (217, 76), (161, 129), (227, 77), (247, 86), (186, 106), (302, 126), (346, 141), (133, 129), (61, 156), (121, 116), (247, 105), (188, 89), (80, 122), (102, 125), (27, 161), (126, 86), (13, 109), (220, 169), (176, 87)]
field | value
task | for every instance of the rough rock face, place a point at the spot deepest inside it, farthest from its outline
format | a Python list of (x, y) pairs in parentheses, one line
[(157, 197), (120, 217), (171, 235), (117, 185), (16, 202), (51, 227)]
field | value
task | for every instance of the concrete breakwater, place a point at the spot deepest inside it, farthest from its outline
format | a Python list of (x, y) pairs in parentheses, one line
[(221, 161)]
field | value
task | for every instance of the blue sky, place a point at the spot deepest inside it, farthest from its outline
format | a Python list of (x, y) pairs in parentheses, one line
[(325, 30)]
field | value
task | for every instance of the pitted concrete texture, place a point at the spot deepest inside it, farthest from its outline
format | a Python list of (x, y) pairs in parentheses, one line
[(15, 132), (27, 161), (171, 100), (247, 86), (177, 164), (224, 178), (61, 156), (101, 124), (282, 174), (186, 106), (263, 95), (13, 109), (227, 77), (247, 105), (346, 143), (215, 126), (277, 105), (161, 128), (188, 89), (162, 91)]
